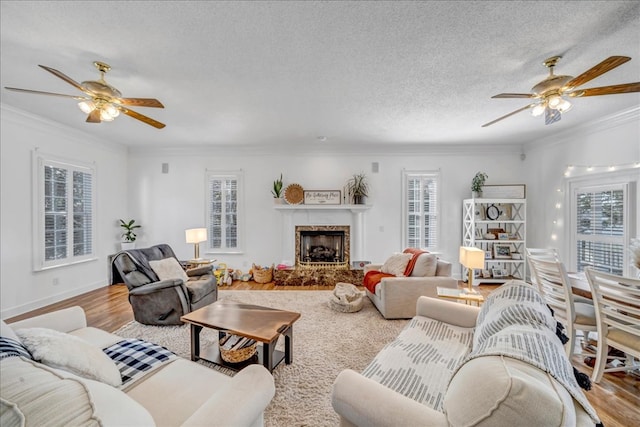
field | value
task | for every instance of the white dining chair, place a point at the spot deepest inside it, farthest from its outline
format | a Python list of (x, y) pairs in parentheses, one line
[(617, 303), (554, 284), (549, 254)]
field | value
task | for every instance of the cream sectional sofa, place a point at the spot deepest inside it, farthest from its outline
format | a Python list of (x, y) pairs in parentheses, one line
[(435, 373), (178, 393), (395, 297)]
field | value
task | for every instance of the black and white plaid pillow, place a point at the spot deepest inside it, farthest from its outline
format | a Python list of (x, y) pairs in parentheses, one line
[(12, 348)]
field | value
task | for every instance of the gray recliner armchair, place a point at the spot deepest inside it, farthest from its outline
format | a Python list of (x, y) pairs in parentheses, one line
[(161, 302)]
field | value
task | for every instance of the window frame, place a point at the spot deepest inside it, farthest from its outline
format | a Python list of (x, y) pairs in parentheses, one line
[(39, 162), (238, 175), (422, 174), (627, 181)]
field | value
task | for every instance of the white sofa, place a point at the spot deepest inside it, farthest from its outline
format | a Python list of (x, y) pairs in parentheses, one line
[(427, 377), (178, 393), (395, 297)]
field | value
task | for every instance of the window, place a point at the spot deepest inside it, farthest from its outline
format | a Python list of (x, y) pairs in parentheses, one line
[(601, 225), (224, 192), (420, 209), (64, 212)]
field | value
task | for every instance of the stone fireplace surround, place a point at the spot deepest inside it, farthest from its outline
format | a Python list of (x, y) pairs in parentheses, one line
[(351, 216), (335, 238)]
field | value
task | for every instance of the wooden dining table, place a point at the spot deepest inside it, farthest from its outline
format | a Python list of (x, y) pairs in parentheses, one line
[(580, 284)]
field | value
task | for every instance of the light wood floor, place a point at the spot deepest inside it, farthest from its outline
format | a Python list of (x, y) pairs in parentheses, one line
[(616, 398)]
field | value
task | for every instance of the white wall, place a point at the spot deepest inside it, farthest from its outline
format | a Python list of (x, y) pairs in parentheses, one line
[(614, 141), (22, 289), (131, 184), (167, 204)]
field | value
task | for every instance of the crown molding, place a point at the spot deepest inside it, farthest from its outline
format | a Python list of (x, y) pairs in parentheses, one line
[(39, 123), (602, 124)]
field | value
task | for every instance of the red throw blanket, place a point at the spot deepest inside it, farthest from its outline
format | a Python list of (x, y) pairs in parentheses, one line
[(373, 277)]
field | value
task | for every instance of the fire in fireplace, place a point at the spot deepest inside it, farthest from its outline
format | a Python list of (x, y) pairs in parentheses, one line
[(324, 245)]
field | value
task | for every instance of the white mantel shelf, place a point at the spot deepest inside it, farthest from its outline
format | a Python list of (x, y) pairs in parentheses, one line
[(352, 208)]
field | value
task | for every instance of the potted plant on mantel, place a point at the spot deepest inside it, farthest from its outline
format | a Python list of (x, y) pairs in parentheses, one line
[(477, 183), (358, 188), (129, 234), (277, 190)]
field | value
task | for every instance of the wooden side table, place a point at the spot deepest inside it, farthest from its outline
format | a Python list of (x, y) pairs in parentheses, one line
[(193, 263), (460, 295)]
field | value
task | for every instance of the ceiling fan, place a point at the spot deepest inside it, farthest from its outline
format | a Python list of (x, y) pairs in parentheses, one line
[(102, 102), (551, 93)]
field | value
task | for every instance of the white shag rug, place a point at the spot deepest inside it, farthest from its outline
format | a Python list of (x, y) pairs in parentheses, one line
[(324, 343)]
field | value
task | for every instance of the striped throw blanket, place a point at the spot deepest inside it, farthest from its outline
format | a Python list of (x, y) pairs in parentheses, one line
[(136, 358), (516, 322)]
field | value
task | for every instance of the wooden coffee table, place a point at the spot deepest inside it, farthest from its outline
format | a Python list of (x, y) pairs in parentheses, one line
[(262, 324)]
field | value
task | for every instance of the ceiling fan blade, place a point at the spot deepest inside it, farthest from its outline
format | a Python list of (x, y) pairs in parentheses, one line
[(94, 117), (526, 107), (142, 118), (64, 77), (514, 95), (141, 102), (597, 70), (39, 92), (607, 90)]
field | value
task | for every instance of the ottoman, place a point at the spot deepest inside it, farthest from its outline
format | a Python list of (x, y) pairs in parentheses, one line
[(346, 298)]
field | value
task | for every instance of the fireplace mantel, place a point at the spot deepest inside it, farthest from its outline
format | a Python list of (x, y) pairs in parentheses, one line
[(352, 215), (352, 208)]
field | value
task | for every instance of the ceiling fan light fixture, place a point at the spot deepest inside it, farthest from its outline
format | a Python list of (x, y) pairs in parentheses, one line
[(105, 116), (86, 106), (538, 109), (554, 101), (111, 110), (564, 106)]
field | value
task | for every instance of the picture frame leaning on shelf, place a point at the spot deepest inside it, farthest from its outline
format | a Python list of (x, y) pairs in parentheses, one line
[(501, 251)]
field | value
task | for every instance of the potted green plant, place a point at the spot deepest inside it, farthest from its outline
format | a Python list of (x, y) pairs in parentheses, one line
[(477, 183), (277, 190), (129, 234), (358, 188)]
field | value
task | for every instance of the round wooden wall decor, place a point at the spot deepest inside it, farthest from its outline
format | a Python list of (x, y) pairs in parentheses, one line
[(294, 194)]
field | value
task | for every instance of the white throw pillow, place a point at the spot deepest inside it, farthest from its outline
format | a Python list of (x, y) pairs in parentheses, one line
[(396, 264), (168, 269), (426, 265), (70, 353)]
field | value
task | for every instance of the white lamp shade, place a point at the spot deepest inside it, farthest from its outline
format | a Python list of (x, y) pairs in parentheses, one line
[(196, 235), (471, 257)]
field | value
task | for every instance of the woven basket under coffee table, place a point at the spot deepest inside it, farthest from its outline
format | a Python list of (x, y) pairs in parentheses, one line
[(236, 349)]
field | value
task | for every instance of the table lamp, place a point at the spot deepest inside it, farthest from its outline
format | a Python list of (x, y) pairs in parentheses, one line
[(471, 258), (195, 236)]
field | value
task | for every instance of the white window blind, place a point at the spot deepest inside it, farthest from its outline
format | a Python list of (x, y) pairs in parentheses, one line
[(601, 227), (420, 207), (64, 212), (224, 211)]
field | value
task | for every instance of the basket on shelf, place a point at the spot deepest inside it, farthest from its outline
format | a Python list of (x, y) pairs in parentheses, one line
[(262, 274), (235, 349)]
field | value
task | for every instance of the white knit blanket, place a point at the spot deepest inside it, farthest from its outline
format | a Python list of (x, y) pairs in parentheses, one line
[(516, 322)]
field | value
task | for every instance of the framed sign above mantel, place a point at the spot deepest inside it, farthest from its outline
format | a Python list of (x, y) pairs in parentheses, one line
[(515, 191), (322, 197)]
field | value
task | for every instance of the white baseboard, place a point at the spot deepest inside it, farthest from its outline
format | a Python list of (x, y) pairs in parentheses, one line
[(33, 305)]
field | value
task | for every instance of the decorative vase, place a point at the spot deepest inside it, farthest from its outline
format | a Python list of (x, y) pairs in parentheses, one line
[(359, 199), (476, 194), (277, 200), (125, 246)]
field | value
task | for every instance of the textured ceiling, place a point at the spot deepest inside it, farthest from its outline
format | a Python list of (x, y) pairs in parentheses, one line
[(282, 74)]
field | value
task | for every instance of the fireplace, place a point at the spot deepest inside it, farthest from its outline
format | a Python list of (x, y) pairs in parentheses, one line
[(322, 246)]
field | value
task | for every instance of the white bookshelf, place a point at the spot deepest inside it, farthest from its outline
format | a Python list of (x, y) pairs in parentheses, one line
[(479, 219)]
